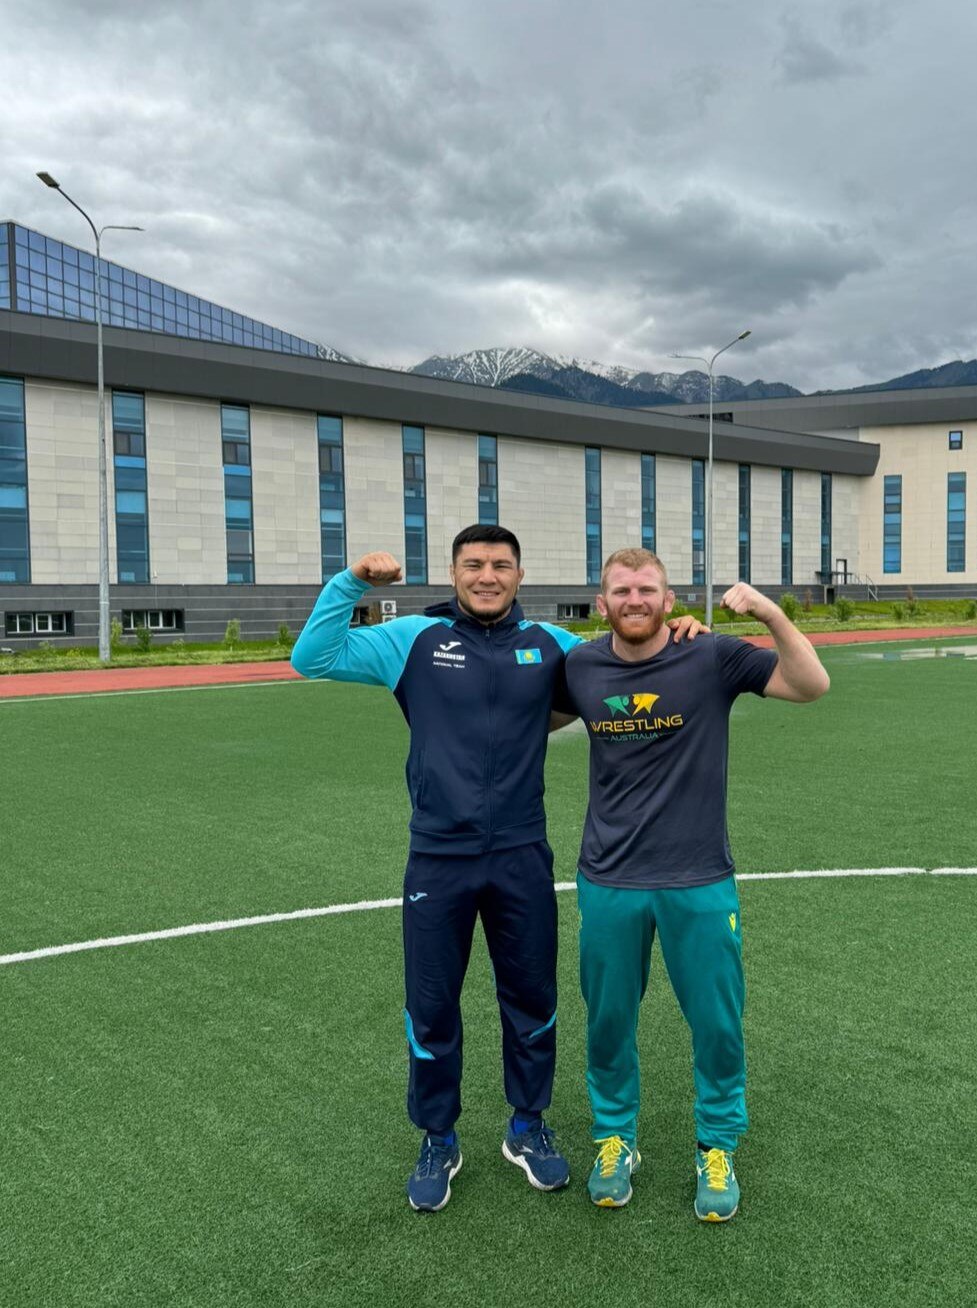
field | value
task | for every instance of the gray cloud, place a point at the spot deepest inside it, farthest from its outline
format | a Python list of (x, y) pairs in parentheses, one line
[(403, 179)]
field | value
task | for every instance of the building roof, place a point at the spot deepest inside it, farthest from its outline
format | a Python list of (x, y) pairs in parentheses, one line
[(39, 347), (848, 411)]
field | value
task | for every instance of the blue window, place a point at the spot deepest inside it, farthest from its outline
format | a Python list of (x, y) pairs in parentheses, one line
[(698, 522), (15, 561), (50, 273), (131, 511), (892, 524), (415, 506), (648, 533), (744, 523), (956, 521), (6, 258), (488, 479), (332, 495), (956, 440), (825, 523), (786, 526), (238, 511), (593, 526)]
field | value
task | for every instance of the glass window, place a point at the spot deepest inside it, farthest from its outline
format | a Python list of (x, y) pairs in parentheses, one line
[(415, 506), (131, 508), (744, 523), (14, 519), (956, 522), (826, 493), (236, 449), (332, 495), (488, 479), (592, 523), (892, 524), (648, 504), (786, 526), (698, 522), (956, 440)]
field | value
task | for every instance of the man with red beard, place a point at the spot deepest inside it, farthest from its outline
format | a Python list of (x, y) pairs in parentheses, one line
[(655, 855)]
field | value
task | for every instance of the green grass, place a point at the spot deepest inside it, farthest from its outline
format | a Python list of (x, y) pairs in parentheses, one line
[(219, 1120)]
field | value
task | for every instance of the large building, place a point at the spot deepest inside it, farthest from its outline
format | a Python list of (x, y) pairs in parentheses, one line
[(241, 475)]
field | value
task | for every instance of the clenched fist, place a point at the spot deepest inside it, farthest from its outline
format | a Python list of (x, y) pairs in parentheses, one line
[(742, 598), (378, 569)]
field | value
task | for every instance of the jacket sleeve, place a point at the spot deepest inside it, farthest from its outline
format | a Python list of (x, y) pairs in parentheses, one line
[(327, 647)]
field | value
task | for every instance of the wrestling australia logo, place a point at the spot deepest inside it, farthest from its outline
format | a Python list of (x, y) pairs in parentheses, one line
[(632, 718)]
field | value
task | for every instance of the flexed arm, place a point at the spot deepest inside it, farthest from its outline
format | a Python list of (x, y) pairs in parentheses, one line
[(373, 655), (799, 675)]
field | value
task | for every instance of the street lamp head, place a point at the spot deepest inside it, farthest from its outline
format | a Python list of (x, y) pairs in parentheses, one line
[(743, 335), (48, 180)]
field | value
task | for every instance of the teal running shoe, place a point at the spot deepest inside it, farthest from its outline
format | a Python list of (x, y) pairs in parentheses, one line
[(717, 1195), (609, 1185)]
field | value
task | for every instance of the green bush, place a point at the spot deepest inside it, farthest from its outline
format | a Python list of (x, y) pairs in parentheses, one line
[(788, 603), (912, 603), (45, 651), (898, 612), (808, 600), (115, 636), (970, 611), (285, 637), (144, 639), (179, 645), (844, 608), (232, 634), (678, 610)]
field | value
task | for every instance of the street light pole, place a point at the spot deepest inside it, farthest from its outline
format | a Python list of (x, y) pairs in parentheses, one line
[(104, 624), (710, 364)]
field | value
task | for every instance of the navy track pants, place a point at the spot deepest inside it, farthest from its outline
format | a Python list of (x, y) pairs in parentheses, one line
[(512, 891)]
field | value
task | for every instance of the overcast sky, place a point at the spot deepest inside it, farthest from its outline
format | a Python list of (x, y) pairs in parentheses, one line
[(613, 182)]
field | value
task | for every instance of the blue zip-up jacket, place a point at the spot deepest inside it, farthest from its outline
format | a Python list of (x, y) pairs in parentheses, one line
[(477, 700)]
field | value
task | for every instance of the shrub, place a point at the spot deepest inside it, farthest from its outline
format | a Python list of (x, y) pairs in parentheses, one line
[(45, 650), (115, 636), (808, 600), (678, 610), (788, 603), (844, 608), (970, 610), (232, 633), (285, 637), (898, 612), (144, 639), (912, 603), (179, 645)]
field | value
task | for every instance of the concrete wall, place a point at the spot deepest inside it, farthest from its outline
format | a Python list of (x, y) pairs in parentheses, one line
[(451, 466), (673, 516), (620, 500), (285, 497), (62, 474), (765, 526), (921, 455), (374, 455), (185, 492), (541, 499)]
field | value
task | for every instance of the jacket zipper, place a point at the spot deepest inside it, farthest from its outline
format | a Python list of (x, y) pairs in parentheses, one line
[(490, 758)]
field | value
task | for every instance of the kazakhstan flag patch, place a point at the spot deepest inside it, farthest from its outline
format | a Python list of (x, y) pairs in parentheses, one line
[(528, 656)]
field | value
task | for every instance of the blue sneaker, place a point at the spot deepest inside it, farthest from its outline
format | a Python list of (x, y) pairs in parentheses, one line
[(429, 1185), (535, 1151), (717, 1194)]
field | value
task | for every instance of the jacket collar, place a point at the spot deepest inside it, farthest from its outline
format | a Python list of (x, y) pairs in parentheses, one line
[(450, 608)]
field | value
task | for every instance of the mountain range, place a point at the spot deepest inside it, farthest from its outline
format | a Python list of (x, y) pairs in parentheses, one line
[(568, 378)]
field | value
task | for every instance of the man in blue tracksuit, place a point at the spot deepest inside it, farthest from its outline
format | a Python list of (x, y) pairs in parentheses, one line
[(476, 683)]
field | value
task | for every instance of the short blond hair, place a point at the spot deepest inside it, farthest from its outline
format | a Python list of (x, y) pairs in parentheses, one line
[(633, 559)]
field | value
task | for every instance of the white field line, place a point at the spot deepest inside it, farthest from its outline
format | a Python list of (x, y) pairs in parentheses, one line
[(266, 919)]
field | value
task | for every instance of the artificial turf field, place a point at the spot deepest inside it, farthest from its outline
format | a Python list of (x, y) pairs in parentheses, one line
[(218, 1120)]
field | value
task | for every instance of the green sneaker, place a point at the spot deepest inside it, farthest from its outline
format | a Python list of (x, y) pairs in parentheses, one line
[(610, 1181), (717, 1195)]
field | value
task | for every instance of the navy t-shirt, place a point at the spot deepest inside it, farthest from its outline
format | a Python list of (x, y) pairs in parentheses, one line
[(659, 739)]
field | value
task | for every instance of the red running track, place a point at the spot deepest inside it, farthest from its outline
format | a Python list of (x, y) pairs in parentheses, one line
[(25, 685)]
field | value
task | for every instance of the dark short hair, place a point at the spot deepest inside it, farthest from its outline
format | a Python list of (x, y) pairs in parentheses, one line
[(484, 533)]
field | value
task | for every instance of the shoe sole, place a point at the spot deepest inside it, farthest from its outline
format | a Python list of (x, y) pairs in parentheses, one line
[(714, 1217), (521, 1162), (436, 1208), (608, 1202)]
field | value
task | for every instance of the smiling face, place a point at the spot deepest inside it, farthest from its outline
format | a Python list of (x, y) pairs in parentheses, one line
[(486, 577), (635, 601)]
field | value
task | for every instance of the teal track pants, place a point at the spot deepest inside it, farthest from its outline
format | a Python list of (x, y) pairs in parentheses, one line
[(699, 931)]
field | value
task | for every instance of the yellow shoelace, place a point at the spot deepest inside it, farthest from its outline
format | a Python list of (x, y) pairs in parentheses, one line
[(717, 1169), (612, 1148)]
